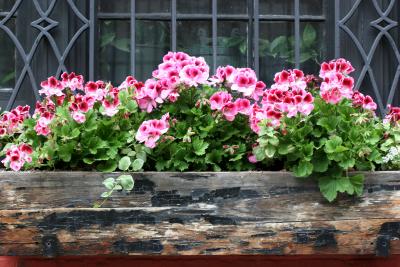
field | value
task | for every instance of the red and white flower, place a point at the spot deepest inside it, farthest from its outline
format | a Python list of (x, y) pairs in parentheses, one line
[(150, 131)]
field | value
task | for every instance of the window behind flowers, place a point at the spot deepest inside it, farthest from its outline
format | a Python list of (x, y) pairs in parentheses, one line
[(105, 39)]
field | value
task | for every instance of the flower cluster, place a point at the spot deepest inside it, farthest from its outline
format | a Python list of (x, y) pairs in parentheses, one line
[(243, 80), (222, 101), (393, 115), (287, 96), (11, 121), (366, 102), (150, 131), (16, 156), (336, 83), (44, 114)]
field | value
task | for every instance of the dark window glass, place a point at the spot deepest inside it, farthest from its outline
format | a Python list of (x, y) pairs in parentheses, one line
[(232, 43), (6, 5), (232, 6), (152, 42), (311, 7), (110, 6), (114, 48), (194, 37), (194, 6), (153, 6), (281, 7), (276, 48)]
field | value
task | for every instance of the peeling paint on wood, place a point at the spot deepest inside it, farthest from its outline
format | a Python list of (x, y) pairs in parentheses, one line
[(241, 213)]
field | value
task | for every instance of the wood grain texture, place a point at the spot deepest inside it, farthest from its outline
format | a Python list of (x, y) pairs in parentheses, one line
[(236, 213)]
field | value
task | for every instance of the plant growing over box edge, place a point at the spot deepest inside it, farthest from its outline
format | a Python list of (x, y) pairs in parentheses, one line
[(183, 119)]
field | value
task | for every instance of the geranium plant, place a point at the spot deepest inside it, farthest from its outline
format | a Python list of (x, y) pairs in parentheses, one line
[(184, 119)]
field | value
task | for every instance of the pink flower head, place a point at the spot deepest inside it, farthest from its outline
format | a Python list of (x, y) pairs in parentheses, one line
[(222, 74), (193, 75), (291, 101), (366, 102), (146, 96), (219, 99), (11, 122), (289, 79), (229, 111), (72, 81), (79, 117), (335, 87), (335, 66), (258, 114), (332, 96), (111, 102), (243, 105), (16, 156), (393, 115), (51, 87), (150, 131), (93, 89), (130, 81), (244, 80)]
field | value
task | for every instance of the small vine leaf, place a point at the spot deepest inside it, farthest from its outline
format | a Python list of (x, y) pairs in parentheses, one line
[(109, 183), (126, 181)]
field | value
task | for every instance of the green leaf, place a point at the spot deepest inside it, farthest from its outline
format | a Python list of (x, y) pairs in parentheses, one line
[(122, 44), (88, 161), (137, 164), (65, 151), (126, 182), (106, 39), (320, 163), (332, 144), (285, 149), (75, 133), (347, 162), (358, 183), (270, 151), (108, 166), (199, 146), (327, 186), (105, 195), (309, 35), (124, 163), (131, 105), (109, 183), (329, 123), (303, 169), (259, 152)]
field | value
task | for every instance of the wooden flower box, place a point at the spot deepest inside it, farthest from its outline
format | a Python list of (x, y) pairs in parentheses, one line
[(227, 213)]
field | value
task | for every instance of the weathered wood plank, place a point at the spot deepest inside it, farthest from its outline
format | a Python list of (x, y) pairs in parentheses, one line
[(48, 213)]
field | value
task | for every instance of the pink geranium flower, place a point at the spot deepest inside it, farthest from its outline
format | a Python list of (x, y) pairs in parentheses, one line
[(51, 87), (150, 131), (72, 81), (16, 156), (219, 100)]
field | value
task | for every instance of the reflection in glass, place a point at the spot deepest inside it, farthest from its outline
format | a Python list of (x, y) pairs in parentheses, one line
[(6, 5), (233, 6), (152, 42), (311, 7), (7, 59), (114, 6), (232, 43), (114, 46), (312, 50), (153, 6), (276, 48), (194, 37), (281, 7), (193, 6)]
